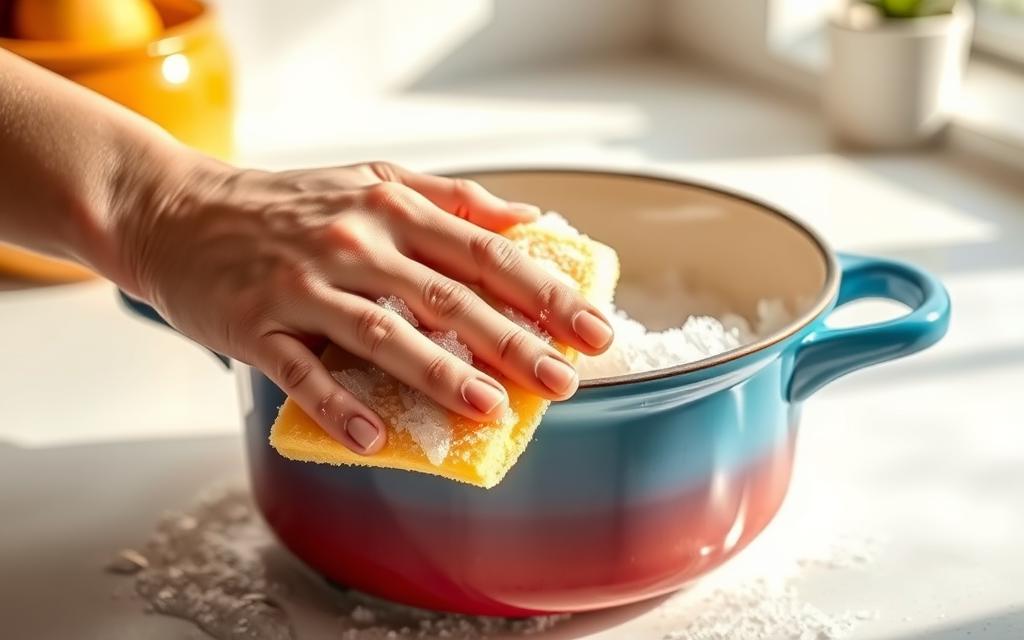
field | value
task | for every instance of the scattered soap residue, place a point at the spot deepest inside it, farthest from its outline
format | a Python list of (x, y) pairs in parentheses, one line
[(761, 610), (758, 595), (219, 567), (204, 565)]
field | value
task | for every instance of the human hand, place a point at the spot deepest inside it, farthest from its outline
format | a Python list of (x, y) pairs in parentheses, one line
[(263, 267)]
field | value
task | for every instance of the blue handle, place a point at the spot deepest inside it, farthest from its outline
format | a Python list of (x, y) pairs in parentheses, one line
[(826, 354), (149, 313)]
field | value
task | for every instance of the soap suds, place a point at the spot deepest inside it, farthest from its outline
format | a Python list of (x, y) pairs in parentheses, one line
[(398, 306), (637, 349), (425, 421), (449, 341), (520, 319)]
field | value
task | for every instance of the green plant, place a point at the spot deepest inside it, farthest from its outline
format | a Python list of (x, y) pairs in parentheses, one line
[(913, 8)]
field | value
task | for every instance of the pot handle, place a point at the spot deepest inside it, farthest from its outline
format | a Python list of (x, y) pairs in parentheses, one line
[(140, 308), (826, 354)]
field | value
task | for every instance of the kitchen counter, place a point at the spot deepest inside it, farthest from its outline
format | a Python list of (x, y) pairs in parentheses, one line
[(109, 421)]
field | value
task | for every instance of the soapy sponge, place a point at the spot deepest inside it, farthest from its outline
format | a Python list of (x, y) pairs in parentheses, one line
[(424, 437)]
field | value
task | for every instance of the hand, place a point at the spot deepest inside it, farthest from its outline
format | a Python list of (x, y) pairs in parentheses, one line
[(263, 267)]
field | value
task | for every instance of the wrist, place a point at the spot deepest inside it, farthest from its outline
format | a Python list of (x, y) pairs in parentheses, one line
[(150, 182)]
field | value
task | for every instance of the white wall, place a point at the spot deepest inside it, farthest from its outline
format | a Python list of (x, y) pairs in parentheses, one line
[(314, 60), (327, 51), (738, 34)]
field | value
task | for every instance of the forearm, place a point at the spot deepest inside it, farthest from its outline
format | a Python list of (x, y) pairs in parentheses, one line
[(72, 164)]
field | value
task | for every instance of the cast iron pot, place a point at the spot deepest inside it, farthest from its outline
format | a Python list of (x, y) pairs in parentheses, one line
[(639, 483)]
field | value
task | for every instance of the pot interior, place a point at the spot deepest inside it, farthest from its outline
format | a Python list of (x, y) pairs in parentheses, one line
[(723, 252)]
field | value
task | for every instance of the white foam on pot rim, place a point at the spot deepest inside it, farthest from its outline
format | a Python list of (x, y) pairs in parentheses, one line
[(635, 348)]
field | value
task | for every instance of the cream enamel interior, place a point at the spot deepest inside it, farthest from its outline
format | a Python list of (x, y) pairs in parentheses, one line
[(721, 245)]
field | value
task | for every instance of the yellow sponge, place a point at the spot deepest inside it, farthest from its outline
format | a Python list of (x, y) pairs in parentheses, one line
[(433, 440)]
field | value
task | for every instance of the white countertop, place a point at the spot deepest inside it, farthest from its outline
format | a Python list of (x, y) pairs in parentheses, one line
[(108, 421)]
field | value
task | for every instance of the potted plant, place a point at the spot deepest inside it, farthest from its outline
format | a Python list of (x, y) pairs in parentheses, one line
[(895, 69)]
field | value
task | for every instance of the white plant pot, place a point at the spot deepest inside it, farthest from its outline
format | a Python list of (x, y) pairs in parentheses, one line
[(895, 83)]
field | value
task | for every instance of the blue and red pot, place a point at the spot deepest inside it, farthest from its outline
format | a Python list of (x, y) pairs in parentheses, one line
[(639, 483)]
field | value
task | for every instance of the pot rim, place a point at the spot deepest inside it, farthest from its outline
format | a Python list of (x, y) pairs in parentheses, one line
[(821, 304)]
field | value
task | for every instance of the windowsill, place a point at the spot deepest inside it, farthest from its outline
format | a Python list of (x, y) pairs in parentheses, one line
[(988, 118)]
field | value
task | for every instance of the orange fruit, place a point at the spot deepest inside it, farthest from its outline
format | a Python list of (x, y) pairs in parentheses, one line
[(106, 23)]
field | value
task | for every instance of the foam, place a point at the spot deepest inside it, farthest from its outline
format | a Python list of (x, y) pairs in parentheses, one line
[(449, 341), (419, 415), (397, 305), (476, 453), (429, 439), (524, 322), (636, 349)]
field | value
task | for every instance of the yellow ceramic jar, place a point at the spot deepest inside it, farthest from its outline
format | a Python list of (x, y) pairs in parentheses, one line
[(181, 80)]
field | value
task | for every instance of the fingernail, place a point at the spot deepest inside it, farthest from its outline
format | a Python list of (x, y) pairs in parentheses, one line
[(362, 431), (525, 209), (591, 329), (556, 375), (482, 395)]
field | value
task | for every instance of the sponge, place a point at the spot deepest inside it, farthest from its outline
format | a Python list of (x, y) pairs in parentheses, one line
[(424, 437)]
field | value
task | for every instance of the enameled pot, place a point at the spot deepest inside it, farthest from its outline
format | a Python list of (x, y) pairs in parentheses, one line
[(639, 483)]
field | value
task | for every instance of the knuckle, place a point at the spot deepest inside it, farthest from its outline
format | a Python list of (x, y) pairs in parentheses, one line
[(248, 319), (337, 404), (494, 253), (465, 188), (439, 370), (352, 239), (375, 328), (383, 171), (447, 299), (512, 342), (294, 371), (551, 295), (340, 233), (299, 284), (385, 196), (247, 309)]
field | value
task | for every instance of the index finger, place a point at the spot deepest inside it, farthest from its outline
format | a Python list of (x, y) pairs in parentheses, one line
[(465, 198), (474, 255)]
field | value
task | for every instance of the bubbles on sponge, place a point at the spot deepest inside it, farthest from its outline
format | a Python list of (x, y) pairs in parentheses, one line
[(519, 318), (449, 341), (415, 413), (397, 305)]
